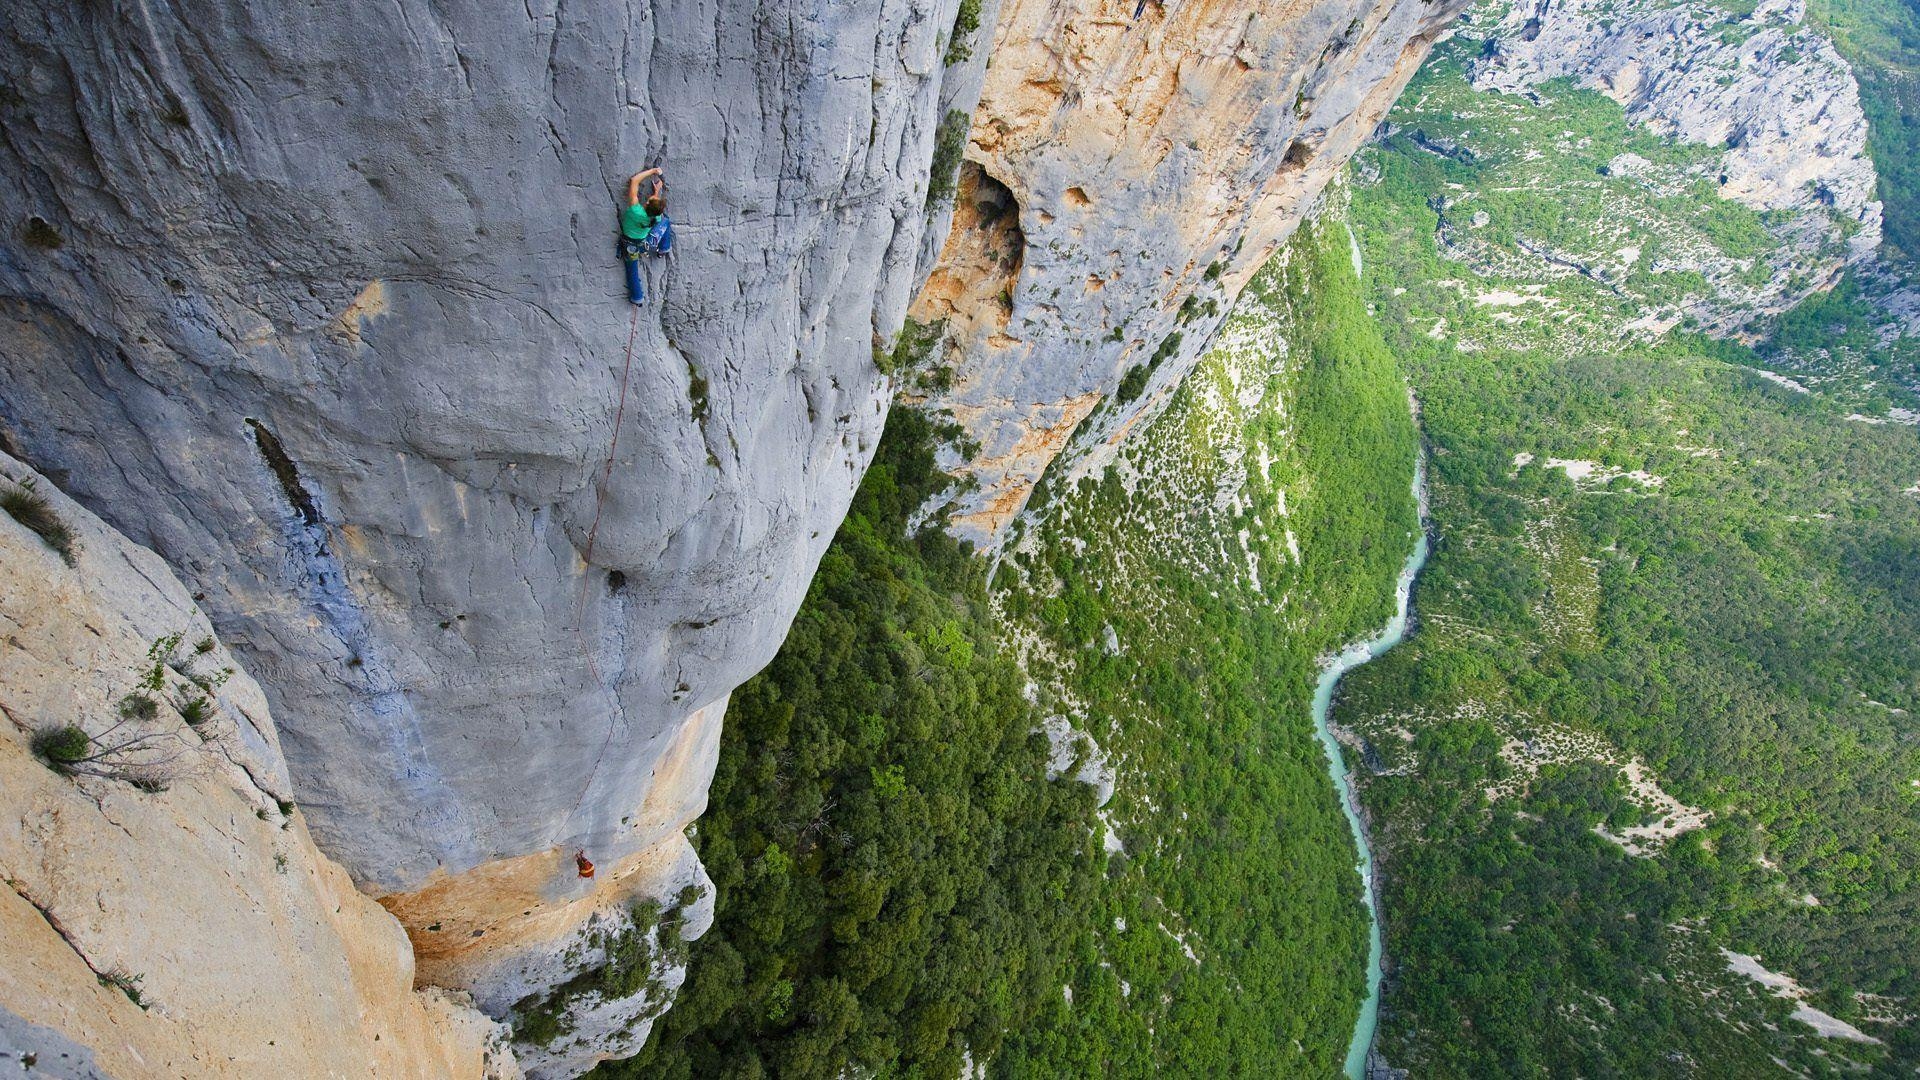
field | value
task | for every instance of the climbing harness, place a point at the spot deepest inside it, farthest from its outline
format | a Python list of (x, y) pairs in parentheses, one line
[(657, 242)]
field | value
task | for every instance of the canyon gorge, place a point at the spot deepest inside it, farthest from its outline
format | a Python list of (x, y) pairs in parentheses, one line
[(324, 313)]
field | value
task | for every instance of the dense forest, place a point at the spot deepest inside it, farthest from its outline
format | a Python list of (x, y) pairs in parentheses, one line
[(1660, 707)]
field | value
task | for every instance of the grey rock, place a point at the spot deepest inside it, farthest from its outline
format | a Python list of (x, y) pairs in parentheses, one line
[(382, 241), (28, 1050)]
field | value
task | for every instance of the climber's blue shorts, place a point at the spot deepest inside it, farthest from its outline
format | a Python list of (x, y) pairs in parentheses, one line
[(630, 253)]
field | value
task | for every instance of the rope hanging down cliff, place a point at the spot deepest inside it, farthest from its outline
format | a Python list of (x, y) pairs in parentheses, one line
[(643, 230), (586, 572), (600, 502)]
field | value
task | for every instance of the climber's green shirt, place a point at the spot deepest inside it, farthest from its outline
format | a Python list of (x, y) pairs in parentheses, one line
[(635, 221)]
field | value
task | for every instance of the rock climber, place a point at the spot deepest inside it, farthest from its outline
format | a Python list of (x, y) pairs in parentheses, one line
[(644, 228), (581, 862)]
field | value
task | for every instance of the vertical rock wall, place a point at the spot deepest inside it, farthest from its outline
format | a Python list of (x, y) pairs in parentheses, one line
[(321, 303), (1125, 177), (326, 309)]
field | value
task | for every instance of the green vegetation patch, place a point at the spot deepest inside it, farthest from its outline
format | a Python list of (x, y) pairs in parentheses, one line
[(1648, 554), (899, 882), (1175, 610), (949, 146), (966, 20), (26, 505), (633, 955), (1881, 39), (62, 748)]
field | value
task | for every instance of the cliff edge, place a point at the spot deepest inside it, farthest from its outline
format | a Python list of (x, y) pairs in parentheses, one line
[(1123, 180)]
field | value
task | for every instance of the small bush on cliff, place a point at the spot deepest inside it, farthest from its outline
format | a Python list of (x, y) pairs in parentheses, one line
[(127, 984), (697, 394), (196, 711), (138, 706), (913, 348), (966, 20), (949, 144), (62, 748), (30, 508)]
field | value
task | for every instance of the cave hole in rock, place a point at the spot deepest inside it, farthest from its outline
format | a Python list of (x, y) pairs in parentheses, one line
[(1299, 152), (616, 582), (981, 262)]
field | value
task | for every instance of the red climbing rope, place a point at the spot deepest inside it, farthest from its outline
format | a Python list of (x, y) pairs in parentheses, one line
[(586, 574), (600, 495)]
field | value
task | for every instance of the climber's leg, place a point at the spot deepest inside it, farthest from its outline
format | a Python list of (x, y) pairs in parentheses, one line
[(636, 291)]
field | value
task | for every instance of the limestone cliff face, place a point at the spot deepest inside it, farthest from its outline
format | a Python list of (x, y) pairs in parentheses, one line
[(326, 310), (1124, 177), (166, 914), (322, 305)]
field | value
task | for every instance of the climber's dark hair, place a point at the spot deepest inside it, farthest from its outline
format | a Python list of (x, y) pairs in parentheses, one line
[(656, 205)]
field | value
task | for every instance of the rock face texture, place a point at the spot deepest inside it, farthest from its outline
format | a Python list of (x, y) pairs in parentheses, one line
[(1775, 96), (338, 299), (165, 912), (1124, 178), (326, 311)]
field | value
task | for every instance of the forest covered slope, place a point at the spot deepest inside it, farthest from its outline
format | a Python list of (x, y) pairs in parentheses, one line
[(1653, 744)]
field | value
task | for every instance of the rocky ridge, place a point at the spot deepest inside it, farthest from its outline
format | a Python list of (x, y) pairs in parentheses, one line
[(1774, 96)]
